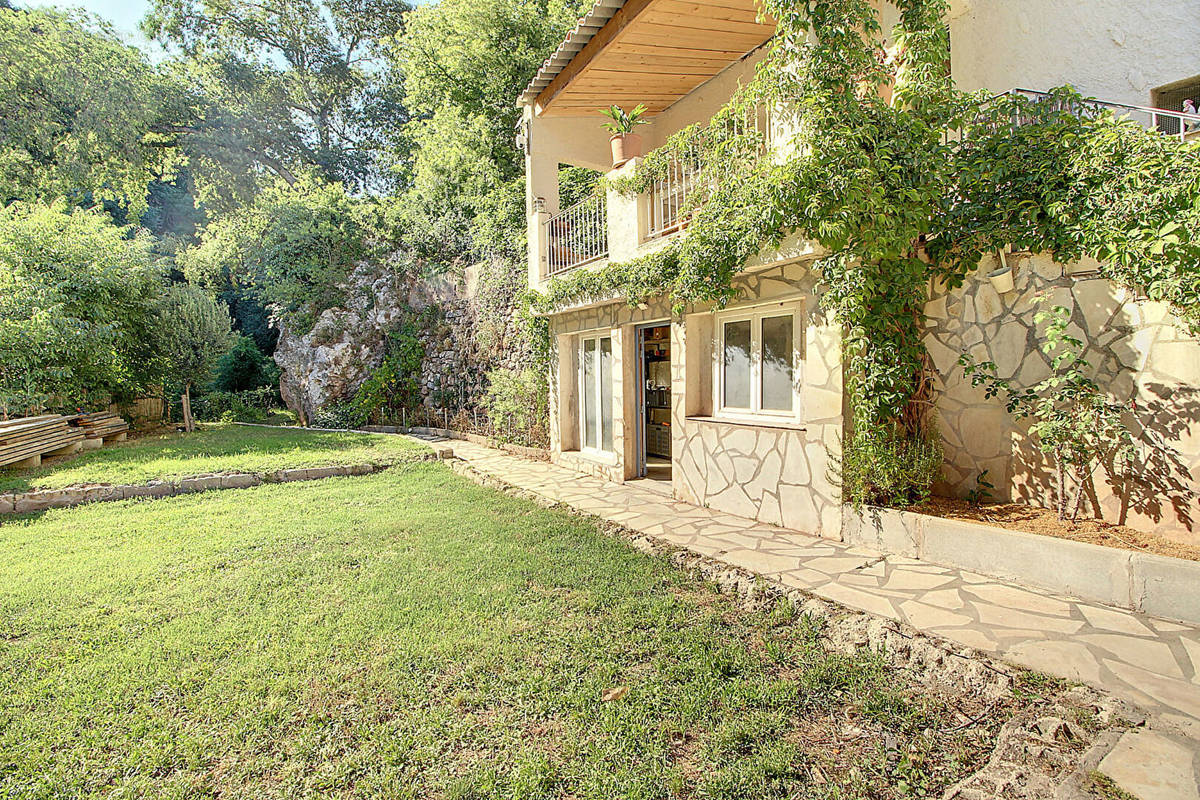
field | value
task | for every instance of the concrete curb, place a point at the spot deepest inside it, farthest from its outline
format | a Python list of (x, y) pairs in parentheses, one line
[(45, 499), (1151, 584)]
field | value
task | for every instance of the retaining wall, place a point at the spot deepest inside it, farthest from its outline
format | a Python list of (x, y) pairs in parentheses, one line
[(1157, 585)]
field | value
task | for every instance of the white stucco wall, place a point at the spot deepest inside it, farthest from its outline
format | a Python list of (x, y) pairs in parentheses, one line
[(1116, 50)]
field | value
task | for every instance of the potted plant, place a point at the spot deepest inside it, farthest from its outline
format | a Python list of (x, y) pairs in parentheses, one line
[(625, 143)]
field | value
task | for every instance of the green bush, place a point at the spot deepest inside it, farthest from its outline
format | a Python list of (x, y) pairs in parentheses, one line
[(887, 470), (518, 403), (77, 309), (244, 367), (251, 405)]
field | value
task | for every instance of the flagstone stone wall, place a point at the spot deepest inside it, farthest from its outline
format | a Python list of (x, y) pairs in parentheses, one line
[(777, 474), (1137, 351), (774, 472)]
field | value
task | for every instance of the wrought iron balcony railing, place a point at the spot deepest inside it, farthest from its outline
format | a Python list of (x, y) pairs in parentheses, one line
[(577, 235)]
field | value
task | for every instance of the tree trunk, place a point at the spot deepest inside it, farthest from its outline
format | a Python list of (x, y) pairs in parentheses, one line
[(1060, 501), (189, 424)]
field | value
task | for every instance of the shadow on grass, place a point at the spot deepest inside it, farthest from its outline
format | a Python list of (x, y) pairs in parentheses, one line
[(213, 449)]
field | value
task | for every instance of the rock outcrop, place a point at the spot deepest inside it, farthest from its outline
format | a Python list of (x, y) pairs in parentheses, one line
[(470, 332)]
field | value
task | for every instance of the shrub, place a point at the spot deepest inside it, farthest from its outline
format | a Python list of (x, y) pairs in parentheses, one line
[(518, 403), (250, 405), (887, 470), (77, 308), (244, 367), (1073, 420)]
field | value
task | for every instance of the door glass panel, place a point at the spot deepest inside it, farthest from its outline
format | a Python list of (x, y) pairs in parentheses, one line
[(589, 392), (777, 391), (606, 395), (736, 365)]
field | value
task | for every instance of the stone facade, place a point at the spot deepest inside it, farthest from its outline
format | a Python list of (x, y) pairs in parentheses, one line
[(1138, 352), (775, 472)]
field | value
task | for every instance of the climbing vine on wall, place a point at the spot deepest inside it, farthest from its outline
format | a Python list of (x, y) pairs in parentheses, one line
[(900, 178)]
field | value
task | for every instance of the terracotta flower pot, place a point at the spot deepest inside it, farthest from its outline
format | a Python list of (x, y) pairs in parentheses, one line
[(624, 147)]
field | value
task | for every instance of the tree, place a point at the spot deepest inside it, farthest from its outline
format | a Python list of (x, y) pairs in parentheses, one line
[(244, 367), (277, 89), (77, 308), (75, 106), (462, 63), (193, 331), (295, 246)]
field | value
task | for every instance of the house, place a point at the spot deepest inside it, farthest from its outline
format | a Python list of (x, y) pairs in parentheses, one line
[(741, 408)]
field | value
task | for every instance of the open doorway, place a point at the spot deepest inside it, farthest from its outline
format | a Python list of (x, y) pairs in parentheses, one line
[(654, 405)]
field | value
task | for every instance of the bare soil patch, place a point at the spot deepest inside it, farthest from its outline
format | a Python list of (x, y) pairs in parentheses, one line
[(1044, 522)]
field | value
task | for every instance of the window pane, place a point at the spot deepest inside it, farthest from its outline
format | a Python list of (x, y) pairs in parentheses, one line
[(606, 395), (737, 365), (589, 393), (777, 363)]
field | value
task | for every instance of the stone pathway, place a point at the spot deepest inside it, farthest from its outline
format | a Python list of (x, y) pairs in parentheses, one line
[(1152, 663)]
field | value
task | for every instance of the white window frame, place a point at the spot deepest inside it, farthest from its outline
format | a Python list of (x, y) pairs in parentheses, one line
[(755, 316), (582, 356)]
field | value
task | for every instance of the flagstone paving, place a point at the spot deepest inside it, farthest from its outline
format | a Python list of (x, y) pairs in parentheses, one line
[(1151, 662)]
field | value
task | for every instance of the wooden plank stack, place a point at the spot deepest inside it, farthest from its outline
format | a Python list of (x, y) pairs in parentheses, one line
[(30, 438), (100, 425)]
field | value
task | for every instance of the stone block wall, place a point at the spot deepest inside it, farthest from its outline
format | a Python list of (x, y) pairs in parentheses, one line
[(773, 472), (777, 474), (1138, 352)]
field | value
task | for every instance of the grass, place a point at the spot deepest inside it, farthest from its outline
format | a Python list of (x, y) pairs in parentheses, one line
[(213, 448), (410, 634)]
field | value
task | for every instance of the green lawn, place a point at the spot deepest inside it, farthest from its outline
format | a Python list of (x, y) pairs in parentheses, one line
[(213, 448), (412, 635)]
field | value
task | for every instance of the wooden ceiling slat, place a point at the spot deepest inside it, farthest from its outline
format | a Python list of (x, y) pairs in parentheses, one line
[(692, 9), (690, 22), (655, 52), (727, 57)]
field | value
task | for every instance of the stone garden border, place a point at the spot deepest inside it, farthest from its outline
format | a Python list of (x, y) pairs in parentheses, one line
[(44, 499), (1152, 584), (534, 453)]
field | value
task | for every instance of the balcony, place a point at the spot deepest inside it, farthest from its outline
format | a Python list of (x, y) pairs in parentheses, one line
[(1185, 127), (577, 235)]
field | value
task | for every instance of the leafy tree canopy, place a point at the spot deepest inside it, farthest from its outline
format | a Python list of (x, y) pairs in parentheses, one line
[(75, 105), (278, 89), (295, 246), (77, 305)]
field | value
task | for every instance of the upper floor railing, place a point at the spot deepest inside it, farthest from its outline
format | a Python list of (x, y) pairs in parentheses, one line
[(577, 235), (1171, 123), (668, 206)]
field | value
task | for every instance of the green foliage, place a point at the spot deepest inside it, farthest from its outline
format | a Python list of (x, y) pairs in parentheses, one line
[(887, 470), (277, 90), (243, 367), (518, 404), (77, 306), (295, 245), (1074, 181), (982, 491), (247, 405), (193, 330), (623, 121), (1072, 418), (395, 384), (462, 63), (75, 104)]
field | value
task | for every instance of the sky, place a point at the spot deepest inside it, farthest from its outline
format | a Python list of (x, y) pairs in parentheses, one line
[(123, 14)]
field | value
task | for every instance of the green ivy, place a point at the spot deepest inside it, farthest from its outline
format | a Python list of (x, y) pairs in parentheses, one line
[(876, 179)]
